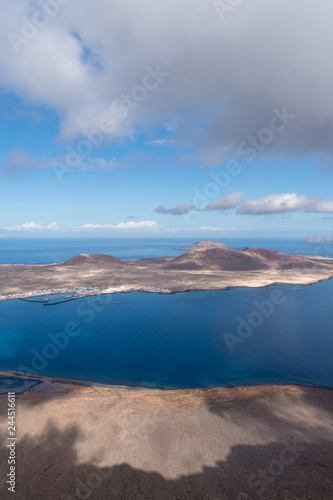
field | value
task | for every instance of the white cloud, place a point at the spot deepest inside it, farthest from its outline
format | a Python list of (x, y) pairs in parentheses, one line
[(271, 204), (284, 203), (319, 205), (141, 225), (214, 228), (131, 225), (30, 226), (227, 202)]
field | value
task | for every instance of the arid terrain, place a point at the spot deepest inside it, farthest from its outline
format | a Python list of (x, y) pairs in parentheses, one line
[(89, 442), (207, 266), (201, 268)]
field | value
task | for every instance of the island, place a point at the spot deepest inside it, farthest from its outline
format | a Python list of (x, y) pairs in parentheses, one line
[(206, 266), (199, 245), (319, 239)]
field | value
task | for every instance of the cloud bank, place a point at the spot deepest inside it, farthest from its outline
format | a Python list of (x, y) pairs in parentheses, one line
[(31, 226), (265, 205), (283, 203), (88, 62), (145, 224)]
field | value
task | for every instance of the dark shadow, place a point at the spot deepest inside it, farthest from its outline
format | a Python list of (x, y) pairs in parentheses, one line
[(48, 469), (298, 466)]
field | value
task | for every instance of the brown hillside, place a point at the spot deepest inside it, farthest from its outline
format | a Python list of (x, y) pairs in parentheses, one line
[(217, 258), (237, 260), (93, 259), (280, 260)]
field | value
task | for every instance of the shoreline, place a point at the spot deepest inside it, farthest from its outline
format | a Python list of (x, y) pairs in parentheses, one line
[(86, 384), (87, 292)]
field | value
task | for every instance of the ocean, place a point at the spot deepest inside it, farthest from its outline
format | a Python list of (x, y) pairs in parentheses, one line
[(234, 337)]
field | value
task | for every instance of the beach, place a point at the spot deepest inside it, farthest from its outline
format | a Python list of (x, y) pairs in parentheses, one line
[(92, 441)]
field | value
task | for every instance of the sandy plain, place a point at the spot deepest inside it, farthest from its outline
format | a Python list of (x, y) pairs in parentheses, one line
[(100, 442)]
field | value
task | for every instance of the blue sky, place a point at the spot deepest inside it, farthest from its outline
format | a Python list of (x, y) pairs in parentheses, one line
[(154, 122)]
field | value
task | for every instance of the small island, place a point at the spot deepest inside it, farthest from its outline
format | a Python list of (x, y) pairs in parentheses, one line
[(319, 239), (206, 266)]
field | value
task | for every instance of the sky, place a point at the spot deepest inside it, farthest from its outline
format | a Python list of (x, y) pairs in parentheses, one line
[(135, 117)]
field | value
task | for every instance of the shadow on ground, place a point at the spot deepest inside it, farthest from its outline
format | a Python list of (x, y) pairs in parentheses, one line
[(298, 466)]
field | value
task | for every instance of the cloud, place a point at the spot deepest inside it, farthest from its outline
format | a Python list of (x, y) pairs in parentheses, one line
[(101, 163), (17, 160), (178, 210), (284, 203), (160, 142), (319, 205), (30, 226), (78, 65), (265, 205), (142, 225), (132, 225), (214, 228), (227, 202)]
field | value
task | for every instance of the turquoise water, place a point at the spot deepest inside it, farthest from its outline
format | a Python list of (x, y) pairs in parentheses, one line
[(174, 341)]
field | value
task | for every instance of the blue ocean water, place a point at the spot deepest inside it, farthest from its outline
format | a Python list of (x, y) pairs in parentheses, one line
[(175, 340), (194, 339)]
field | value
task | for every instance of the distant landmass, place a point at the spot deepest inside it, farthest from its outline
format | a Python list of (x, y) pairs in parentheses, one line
[(319, 240), (208, 265), (95, 259), (202, 245)]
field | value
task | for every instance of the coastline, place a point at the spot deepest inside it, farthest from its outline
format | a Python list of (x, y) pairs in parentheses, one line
[(84, 292), (71, 384), (81, 292)]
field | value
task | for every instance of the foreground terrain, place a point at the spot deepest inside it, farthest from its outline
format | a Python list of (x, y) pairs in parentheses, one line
[(204, 267), (115, 443)]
